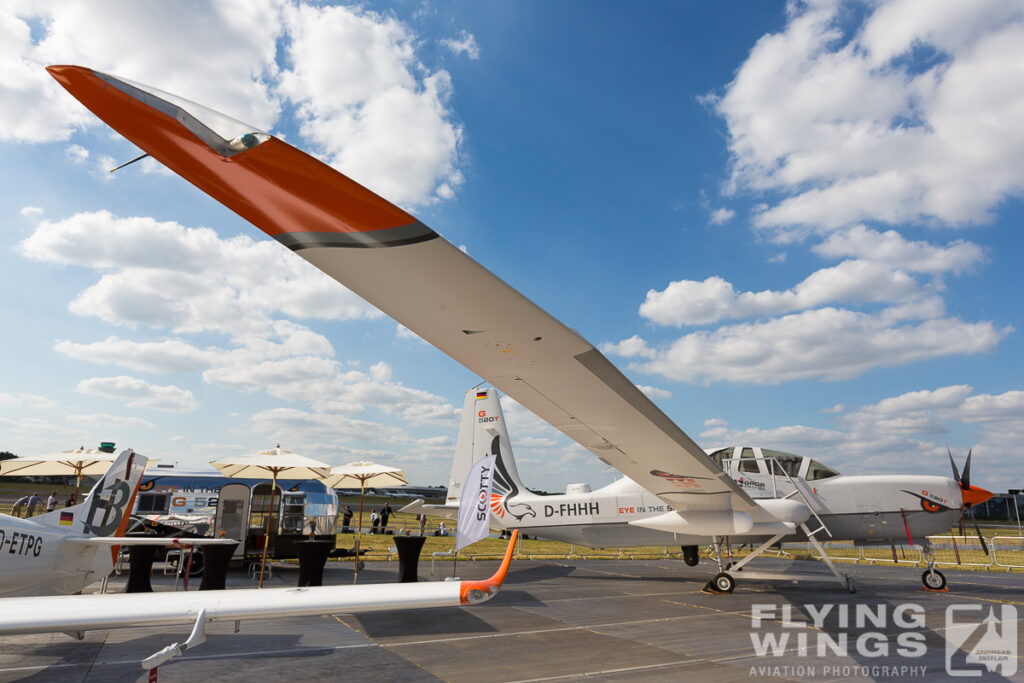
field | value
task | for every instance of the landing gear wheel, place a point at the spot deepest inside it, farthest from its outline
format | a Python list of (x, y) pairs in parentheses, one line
[(933, 580), (723, 583)]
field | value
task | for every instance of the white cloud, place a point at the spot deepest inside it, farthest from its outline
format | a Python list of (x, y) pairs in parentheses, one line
[(77, 153), (221, 55), (137, 393), (634, 347), (654, 393), (689, 302), (166, 356), (912, 115), (721, 216), (892, 249), (164, 275), (825, 343), (372, 109), (466, 43), (31, 212), (364, 99)]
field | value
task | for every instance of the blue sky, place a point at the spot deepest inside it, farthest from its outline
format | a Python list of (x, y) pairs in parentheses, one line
[(793, 225)]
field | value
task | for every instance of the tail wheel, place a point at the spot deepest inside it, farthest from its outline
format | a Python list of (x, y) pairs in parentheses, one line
[(933, 580), (724, 583)]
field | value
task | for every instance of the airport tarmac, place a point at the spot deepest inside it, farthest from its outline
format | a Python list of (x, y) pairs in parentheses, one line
[(570, 619)]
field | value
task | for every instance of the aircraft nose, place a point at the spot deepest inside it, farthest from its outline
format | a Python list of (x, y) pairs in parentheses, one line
[(973, 495)]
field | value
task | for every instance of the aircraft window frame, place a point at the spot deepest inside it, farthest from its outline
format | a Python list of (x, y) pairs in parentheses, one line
[(783, 463), (748, 461), (816, 468)]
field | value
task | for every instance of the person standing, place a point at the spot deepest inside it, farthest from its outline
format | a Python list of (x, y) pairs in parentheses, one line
[(422, 518), (346, 520), (19, 506), (374, 522), (385, 513), (34, 502), (51, 502)]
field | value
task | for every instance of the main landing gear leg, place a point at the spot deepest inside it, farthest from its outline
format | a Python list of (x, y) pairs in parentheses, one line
[(932, 578), (722, 583)]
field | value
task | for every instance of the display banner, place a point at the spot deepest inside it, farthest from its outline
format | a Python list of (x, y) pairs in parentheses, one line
[(474, 506)]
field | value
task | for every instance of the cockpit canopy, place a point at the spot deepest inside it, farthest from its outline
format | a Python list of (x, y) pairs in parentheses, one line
[(223, 134), (766, 461)]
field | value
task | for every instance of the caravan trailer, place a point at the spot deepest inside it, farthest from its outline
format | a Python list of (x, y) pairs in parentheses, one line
[(206, 503)]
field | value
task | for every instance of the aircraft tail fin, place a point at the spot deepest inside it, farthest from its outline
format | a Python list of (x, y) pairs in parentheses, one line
[(483, 432), (106, 508)]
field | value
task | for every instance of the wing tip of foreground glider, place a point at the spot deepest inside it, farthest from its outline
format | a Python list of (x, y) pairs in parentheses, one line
[(473, 592)]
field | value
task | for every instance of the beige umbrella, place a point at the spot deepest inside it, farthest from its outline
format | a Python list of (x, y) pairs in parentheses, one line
[(273, 463), (365, 474), (81, 461)]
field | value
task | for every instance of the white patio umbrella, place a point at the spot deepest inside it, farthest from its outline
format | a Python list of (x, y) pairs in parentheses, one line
[(273, 463), (78, 462), (364, 473)]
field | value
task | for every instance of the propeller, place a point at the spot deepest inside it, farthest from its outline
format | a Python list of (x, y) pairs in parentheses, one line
[(970, 495)]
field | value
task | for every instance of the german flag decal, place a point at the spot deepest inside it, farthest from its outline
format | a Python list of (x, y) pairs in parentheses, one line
[(481, 395), (67, 518)]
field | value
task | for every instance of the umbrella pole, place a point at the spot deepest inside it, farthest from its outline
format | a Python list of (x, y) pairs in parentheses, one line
[(266, 537), (362, 490)]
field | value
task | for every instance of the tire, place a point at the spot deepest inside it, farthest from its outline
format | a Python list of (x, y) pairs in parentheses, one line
[(724, 583), (691, 556), (933, 580)]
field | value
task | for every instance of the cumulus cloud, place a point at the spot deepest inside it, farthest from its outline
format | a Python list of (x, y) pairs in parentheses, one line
[(137, 393), (165, 275), (688, 302), (909, 115), (166, 356), (825, 343), (364, 100), (892, 249), (372, 109)]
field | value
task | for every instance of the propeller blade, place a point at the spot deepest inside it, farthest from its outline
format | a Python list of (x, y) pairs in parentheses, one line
[(956, 472), (965, 478), (981, 539)]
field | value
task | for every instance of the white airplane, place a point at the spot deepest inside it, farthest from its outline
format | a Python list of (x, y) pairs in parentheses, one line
[(865, 509), (66, 550), (436, 290), (76, 614)]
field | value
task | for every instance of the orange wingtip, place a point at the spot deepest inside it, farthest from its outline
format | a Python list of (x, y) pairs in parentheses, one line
[(478, 591)]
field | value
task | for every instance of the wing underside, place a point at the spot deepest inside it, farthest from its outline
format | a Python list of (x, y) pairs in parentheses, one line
[(430, 286)]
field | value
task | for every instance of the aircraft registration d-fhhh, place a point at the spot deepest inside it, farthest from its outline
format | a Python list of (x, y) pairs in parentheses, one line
[(433, 288), (66, 550), (866, 509)]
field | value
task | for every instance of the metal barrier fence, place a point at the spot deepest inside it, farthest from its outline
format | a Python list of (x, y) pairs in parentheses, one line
[(1004, 552)]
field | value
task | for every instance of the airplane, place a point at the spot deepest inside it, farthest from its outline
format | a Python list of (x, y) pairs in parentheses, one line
[(434, 289), (66, 550), (870, 510), (75, 614)]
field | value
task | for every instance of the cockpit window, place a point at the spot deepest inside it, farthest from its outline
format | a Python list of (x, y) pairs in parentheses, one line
[(747, 461), (721, 455), (783, 462), (225, 135), (816, 470)]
